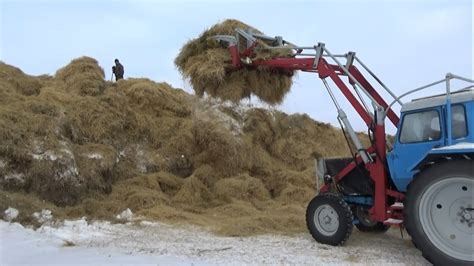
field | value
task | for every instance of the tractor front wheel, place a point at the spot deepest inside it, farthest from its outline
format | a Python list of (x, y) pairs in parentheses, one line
[(439, 213), (329, 219)]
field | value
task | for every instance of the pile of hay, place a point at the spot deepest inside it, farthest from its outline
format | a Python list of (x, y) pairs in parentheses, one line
[(81, 146), (206, 64), (83, 76)]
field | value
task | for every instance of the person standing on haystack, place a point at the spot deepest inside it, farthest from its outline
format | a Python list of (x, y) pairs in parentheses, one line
[(118, 70)]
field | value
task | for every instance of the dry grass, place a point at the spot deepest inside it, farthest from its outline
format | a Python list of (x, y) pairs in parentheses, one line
[(98, 148), (243, 187), (82, 76)]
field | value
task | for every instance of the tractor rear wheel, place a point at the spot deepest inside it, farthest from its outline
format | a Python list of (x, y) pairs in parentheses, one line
[(329, 219), (439, 213), (361, 213)]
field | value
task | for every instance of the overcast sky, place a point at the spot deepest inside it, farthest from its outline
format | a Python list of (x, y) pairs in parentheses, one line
[(406, 43)]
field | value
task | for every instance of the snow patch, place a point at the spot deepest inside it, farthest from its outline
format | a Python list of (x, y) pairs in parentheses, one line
[(24, 246), (210, 109), (68, 152), (126, 215), (95, 156), (2, 164), (461, 146), (44, 216), (74, 231), (65, 158), (15, 176), (47, 155), (10, 214), (148, 223), (152, 242), (69, 172)]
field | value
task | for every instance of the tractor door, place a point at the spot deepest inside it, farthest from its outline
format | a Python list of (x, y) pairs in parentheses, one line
[(418, 133)]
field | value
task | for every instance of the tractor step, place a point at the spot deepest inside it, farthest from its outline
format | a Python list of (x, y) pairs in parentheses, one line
[(397, 206), (392, 221)]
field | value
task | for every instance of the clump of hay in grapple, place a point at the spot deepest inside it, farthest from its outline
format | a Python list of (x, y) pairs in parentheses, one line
[(207, 65)]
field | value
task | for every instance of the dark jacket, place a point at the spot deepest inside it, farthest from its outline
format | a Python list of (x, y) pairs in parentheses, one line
[(118, 70)]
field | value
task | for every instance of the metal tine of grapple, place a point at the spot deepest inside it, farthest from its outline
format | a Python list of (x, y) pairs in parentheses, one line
[(229, 39), (278, 41)]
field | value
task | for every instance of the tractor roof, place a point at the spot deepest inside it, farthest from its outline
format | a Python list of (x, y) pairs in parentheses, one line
[(438, 100)]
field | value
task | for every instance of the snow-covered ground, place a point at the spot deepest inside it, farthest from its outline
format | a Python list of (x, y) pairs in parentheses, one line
[(96, 243)]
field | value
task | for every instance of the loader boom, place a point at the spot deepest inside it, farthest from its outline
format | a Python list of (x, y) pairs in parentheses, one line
[(373, 157)]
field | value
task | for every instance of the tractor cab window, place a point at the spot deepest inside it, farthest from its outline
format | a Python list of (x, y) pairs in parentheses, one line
[(421, 126), (458, 122)]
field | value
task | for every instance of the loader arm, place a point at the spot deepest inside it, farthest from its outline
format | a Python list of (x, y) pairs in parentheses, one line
[(373, 158)]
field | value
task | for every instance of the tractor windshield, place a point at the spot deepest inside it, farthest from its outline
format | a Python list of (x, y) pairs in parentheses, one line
[(421, 126)]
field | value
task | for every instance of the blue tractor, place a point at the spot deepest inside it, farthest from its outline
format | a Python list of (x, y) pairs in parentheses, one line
[(430, 189), (425, 182)]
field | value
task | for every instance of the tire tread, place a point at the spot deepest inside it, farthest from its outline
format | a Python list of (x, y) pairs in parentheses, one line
[(415, 189), (347, 212)]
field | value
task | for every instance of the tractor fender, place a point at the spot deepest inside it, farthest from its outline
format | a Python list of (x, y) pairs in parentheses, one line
[(461, 150)]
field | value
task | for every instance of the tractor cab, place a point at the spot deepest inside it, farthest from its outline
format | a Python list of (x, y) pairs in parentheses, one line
[(423, 134)]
